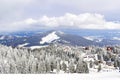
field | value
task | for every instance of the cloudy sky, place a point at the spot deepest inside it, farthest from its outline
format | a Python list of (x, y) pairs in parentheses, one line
[(17, 15)]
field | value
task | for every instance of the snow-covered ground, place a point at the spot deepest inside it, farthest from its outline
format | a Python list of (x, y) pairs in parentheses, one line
[(94, 38), (22, 45), (112, 75), (36, 47), (49, 38), (116, 38), (104, 75), (2, 37)]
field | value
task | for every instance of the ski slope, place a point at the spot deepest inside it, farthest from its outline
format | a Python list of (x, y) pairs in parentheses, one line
[(49, 38)]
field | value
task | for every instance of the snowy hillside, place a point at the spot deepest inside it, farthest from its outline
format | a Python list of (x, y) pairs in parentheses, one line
[(22, 45), (94, 38), (81, 38), (116, 38), (49, 38), (2, 37)]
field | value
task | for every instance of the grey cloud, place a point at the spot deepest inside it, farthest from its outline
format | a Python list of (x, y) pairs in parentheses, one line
[(81, 21), (17, 10)]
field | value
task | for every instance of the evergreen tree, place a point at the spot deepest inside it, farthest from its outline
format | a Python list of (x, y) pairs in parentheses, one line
[(71, 67), (64, 67), (99, 67)]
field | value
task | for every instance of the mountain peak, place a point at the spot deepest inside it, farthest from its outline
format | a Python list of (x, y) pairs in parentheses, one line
[(60, 32), (56, 31)]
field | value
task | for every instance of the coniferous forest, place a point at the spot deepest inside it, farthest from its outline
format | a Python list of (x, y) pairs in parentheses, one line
[(58, 58)]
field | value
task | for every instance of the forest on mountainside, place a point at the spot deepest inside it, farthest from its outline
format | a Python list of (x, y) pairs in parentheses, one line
[(56, 58)]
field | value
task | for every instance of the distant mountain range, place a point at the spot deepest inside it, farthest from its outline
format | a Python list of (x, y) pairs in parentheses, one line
[(29, 39)]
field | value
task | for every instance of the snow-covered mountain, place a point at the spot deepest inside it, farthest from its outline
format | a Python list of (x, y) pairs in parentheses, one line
[(49, 37), (45, 38)]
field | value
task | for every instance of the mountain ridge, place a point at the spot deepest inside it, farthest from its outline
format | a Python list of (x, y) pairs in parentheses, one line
[(54, 36)]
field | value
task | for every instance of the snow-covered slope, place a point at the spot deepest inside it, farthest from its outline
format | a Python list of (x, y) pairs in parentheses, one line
[(36, 47), (113, 75), (49, 38), (94, 38), (92, 76), (2, 37), (116, 38), (22, 45)]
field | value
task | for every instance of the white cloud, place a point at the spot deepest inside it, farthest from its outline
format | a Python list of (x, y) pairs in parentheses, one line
[(15, 10), (81, 21), (30, 21), (50, 22), (87, 20), (84, 21)]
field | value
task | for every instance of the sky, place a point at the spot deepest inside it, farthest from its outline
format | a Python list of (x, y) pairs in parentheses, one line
[(18, 15)]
